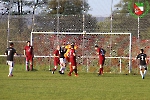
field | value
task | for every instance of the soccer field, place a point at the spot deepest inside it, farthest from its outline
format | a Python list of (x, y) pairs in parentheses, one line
[(43, 85)]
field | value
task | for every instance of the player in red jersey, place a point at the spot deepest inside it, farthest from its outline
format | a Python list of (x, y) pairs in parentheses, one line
[(28, 52), (72, 59), (68, 47), (101, 53), (56, 59)]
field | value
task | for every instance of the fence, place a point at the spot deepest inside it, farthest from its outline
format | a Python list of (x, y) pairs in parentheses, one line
[(17, 28)]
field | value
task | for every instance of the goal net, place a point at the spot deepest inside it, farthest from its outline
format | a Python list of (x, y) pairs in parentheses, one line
[(117, 46)]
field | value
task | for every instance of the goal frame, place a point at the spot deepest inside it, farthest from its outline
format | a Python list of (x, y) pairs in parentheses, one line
[(84, 33)]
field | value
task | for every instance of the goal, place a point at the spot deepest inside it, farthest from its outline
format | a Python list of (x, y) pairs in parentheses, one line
[(117, 46)]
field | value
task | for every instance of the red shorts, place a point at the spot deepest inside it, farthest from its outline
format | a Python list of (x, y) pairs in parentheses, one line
[(73, 62), (29, 58), (56, 61), (101, 60)]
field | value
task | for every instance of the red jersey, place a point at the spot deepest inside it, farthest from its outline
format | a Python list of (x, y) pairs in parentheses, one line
[(72, 57), (56, 59), (101, 56), (56, 53), (28, 50), (71, 53), (100, 52)]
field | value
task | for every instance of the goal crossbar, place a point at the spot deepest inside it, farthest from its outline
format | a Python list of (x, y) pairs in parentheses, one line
[(75, 33)]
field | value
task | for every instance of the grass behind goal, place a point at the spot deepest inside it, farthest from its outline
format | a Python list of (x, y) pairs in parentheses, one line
[(43, 85)]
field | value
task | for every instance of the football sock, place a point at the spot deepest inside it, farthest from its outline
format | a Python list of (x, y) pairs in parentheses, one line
[(71, 71), (75, 70), (63, 69), (141, 72), (145, 72), (55, 67), (102, 70), (60, 69), (10, 70), (71, 68), (31, 67), (27, 68)]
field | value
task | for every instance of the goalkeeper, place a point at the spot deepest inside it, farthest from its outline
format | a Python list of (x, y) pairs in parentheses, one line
[(28, 52)]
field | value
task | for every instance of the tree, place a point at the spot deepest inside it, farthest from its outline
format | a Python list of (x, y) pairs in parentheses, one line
[(70, 15), (67, 16), (11, 5), (68, 7), (15, 2)]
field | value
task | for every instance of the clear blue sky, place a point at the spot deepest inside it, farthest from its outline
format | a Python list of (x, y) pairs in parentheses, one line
[(101, 7)]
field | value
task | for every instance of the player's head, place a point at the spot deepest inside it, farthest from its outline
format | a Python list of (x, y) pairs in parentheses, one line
[(96, 46), (141, 50), (58, 47), (28, 43), (72, 45), (11, 44), (64, 42)]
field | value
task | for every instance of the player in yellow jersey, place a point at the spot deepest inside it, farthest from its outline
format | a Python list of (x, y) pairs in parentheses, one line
[(68, 47)]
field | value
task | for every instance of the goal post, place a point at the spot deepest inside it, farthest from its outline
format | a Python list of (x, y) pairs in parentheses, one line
[(117, 46)]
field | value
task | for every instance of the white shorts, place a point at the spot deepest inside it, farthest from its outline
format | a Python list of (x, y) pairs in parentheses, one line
[(143, 66), (10, 63), (62, 60)]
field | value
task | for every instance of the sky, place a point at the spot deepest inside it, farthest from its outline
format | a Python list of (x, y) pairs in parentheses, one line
[(101, 8)]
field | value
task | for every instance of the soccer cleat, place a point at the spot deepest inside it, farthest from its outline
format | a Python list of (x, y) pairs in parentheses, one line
[(10, 75), (62, 73), (142, 77), (52, 72), (76, 75), (69, 74), (59, 72), (99, 74)]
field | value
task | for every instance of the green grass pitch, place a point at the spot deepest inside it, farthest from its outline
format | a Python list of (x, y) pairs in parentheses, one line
[(43, 85)]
